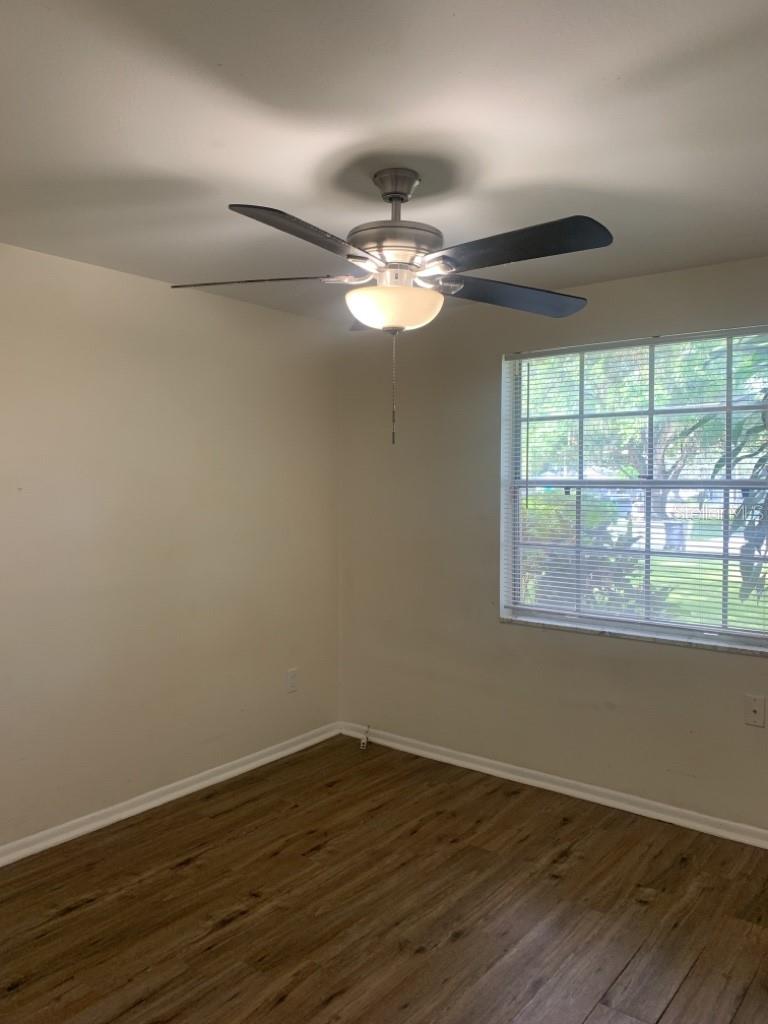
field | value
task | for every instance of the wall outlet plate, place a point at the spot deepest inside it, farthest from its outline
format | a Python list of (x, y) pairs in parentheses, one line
[(754, 709), (292, 680)]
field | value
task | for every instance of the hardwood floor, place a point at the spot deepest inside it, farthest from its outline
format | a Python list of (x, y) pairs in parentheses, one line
[(341, 886)]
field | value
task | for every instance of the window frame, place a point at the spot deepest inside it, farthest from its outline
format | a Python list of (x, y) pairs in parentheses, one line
[(725, 638)]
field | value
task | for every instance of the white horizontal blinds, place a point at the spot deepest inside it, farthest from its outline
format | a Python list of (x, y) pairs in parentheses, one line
[(635, 484)]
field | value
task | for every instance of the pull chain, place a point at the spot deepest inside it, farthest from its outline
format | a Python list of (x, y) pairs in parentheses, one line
[(394, 384)]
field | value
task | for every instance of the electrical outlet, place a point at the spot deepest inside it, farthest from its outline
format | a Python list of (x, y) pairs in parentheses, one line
[(754, 710), (292, 680)]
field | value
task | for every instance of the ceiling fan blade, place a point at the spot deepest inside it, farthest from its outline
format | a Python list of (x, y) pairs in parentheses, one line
[(570, 234), (513, 296), (307, 232), (251, 280)]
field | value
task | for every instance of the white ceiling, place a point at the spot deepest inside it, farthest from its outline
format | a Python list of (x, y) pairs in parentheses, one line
[(129, 125)]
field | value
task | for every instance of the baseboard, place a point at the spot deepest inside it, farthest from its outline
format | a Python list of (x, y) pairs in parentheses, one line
[(749, 834), (25, 847), (99, 819)]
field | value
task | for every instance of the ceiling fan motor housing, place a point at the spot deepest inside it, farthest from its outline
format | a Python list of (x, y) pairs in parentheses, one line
[(399, 241)]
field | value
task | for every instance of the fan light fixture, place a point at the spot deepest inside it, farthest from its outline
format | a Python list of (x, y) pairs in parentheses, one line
[(394, 307)]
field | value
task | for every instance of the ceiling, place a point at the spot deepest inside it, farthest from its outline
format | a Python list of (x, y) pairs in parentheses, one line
[(127, 128)]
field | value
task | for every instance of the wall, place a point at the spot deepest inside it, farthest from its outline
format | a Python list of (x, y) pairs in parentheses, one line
[(423, 652), (168, 535), (168, 485)]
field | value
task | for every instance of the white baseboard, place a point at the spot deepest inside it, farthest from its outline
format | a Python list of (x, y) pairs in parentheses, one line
[(99, 819), (749, 834)]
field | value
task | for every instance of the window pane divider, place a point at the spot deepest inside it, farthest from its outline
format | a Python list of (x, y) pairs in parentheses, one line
[(661, 410), (650, 468), (516, 473), (633, 483), (728, 470), (714, 556), (581, 474)]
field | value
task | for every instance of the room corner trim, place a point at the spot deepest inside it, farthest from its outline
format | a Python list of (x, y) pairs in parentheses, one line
[(740, 833), (28, 845)]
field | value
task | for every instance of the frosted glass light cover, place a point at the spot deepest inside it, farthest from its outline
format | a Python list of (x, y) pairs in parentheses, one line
[(390, 307)]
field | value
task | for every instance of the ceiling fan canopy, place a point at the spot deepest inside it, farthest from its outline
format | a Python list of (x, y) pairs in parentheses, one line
[(399, 272)]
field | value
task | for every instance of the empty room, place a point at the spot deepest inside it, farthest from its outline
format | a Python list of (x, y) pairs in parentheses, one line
[(384, 502)]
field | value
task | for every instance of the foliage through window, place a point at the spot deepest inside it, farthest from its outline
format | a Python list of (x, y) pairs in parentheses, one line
[(635, 487)]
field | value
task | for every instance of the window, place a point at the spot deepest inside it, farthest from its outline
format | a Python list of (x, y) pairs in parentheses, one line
[(635, 488)]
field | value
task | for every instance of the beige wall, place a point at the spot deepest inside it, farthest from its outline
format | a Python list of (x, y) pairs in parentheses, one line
[(169, 548), (423, 653), (168, 535)]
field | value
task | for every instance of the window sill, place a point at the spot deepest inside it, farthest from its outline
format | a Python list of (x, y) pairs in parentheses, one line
[(624, 632)]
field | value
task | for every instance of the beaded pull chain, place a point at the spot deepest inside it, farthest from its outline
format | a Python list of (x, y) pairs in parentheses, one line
[(394, 385)]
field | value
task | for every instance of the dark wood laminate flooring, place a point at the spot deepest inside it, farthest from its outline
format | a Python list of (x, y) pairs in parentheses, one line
[(340, 886)]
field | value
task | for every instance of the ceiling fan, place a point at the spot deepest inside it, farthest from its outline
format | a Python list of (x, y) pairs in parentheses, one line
[(399, 271)]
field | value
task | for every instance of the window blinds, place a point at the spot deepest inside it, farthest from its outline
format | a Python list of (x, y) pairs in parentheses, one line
[(635, 487)]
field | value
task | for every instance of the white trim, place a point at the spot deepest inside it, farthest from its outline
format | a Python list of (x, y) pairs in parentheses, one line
[(625, 629), (135, 805), (740, 833), (654, 339)]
